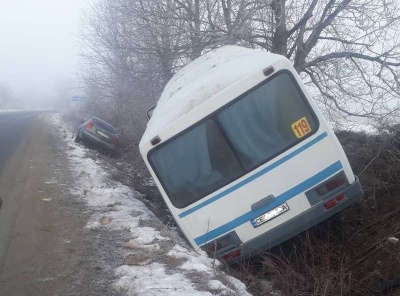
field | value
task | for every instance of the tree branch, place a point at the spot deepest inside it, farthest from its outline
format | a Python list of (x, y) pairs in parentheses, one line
[(348, 54), (304, 19)]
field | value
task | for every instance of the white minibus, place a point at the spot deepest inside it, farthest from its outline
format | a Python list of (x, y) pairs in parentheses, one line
[(242, 156)]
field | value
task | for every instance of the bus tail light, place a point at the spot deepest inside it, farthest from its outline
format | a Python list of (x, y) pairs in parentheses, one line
[(330, 185), (333, 202), (222, 244), (335, 183), (330, 204), (340, 197), (232, 255)]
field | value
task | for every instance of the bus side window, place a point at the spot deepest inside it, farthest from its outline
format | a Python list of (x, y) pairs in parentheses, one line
[(290, 107)]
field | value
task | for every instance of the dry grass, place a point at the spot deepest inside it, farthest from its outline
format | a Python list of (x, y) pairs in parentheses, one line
[(316, 267), (358, 259)]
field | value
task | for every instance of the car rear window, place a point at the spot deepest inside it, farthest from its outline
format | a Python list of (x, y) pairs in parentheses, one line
[(105, 125)]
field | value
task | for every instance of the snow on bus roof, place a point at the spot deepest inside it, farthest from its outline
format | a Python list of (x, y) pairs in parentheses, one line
[(202, 79)]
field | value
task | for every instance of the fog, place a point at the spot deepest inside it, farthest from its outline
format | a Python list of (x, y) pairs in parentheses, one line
[(39, 52)]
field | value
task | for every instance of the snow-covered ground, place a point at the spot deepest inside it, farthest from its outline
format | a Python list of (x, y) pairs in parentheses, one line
[(10, 110), (157, 261), (356, 124)]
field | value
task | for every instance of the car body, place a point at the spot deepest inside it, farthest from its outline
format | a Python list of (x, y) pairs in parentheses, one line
[(97, 132)]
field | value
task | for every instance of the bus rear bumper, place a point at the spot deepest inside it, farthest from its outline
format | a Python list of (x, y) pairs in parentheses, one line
[(315, 215)]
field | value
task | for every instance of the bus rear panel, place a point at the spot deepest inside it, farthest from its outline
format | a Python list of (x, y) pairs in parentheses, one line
[(254, 172)]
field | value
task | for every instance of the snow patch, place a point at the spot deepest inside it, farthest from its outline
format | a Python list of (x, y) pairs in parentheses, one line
[(154, 264), (239, 286), (355, 124), (393, 240), (137, 244), (216, 285), (10, 110), (201, 263), (153, 280), (52, 181)]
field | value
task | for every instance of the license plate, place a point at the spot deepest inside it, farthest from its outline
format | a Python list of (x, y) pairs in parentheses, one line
[(270, 215), (102, 134)]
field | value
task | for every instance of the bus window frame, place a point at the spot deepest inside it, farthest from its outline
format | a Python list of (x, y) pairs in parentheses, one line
[(300, 140), (149, 112)]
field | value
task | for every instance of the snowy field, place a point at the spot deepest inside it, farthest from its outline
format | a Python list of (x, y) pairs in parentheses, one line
[(157, 261)]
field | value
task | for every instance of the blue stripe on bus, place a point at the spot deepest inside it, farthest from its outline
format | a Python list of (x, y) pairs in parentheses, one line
[(247, 217), (253, 177)]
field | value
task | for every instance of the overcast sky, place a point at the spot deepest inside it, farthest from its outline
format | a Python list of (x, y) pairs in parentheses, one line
[(38, 43)]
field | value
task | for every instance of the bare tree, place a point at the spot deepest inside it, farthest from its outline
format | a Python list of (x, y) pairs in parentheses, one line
[(120, 81), (347, 51)]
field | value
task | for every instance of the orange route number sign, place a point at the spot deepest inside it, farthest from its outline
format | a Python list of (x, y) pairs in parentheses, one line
[(301, 127)]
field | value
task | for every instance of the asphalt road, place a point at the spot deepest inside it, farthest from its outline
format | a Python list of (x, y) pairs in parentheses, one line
[(13, 128), (45, 248)]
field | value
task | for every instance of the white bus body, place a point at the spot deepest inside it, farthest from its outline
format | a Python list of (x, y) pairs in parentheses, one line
[(242, 155)]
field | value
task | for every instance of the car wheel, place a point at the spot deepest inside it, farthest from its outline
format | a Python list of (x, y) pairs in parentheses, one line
[(77, 138)]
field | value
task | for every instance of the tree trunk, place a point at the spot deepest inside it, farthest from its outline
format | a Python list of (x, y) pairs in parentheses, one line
[(279, 40)]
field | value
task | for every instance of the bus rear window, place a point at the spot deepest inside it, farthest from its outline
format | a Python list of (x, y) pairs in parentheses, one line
[(195, 162), (258, 126)]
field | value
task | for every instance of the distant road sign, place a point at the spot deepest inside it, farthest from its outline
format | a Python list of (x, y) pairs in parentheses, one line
[(75, 99)]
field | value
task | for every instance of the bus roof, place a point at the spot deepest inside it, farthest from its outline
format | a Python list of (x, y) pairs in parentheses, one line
[(202, 79)]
